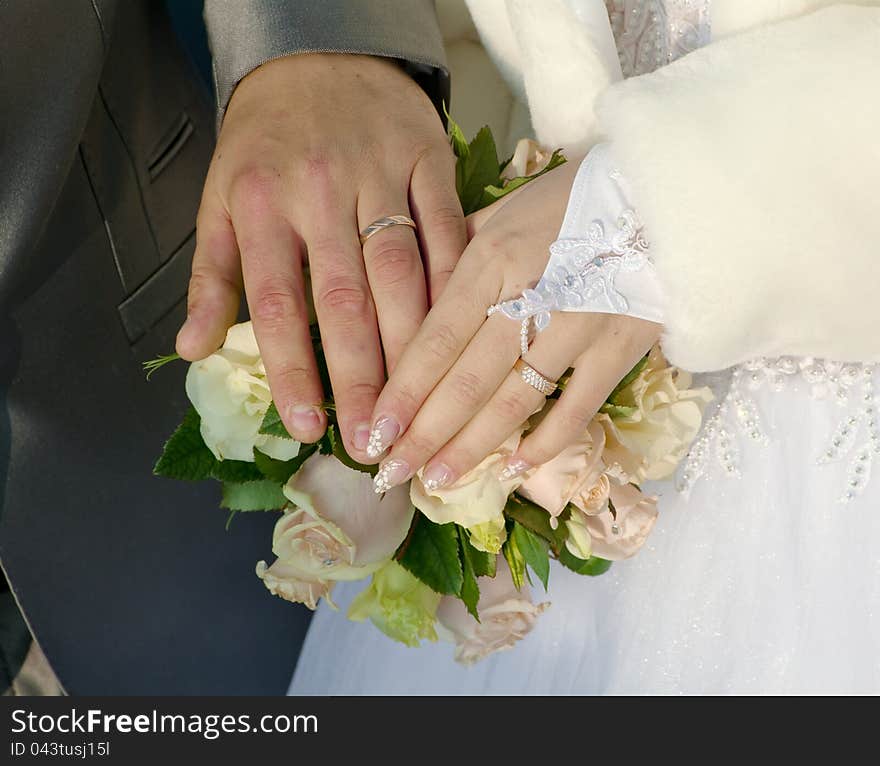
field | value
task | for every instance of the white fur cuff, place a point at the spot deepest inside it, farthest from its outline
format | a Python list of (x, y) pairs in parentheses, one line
[(755, 165)]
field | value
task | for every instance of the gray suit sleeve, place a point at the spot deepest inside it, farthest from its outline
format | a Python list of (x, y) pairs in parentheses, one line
[(246, 33)]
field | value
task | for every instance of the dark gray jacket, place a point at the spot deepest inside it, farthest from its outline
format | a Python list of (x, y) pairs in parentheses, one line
[(129, 582)]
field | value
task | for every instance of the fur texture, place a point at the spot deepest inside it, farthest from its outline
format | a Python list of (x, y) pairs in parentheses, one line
[(755, 164)]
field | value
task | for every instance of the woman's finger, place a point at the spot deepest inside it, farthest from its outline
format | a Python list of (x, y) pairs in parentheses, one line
[(462, 392), (444, 335), (515, 400), (597, 371)]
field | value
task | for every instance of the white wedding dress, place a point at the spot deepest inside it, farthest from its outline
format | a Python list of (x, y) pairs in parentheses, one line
[(762, 574)]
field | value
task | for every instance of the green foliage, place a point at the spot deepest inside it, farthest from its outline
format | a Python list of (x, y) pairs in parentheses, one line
[(272, 425), (431, 554), (537, 520), (281, 470), (514, 557), (470, 589), (534, 550), (592, 567), (261, 495), (494, 192), (151, 365), (331, 444), (628, 378)]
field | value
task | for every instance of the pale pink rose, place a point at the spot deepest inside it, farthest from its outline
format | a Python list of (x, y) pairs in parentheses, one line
[(476, 498), (528, 158), (667, 416), (574, 475), (506, 616), (620, 536), (337, 528), (285, 581)]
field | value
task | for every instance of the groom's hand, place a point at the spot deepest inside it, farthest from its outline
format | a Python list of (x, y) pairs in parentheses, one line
[(313, 148)]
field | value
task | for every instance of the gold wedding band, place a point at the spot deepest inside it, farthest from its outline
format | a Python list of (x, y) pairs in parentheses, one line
[(384, 223), (534, 378)]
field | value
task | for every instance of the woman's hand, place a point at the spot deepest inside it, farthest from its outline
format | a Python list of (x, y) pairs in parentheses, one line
[(454, 396)]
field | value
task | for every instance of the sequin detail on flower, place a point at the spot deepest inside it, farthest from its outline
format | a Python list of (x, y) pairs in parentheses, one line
[(856, 438)]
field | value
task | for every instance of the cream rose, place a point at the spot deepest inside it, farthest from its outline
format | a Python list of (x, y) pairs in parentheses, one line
[(667, 416), (506, 616), (477, 498), (574, 475), (337, 528), (620, 535), (231, 395), (528, 158)]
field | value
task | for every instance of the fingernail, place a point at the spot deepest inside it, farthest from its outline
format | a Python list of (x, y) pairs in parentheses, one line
[(436, 476), (305, 418), (385, 431), (514, 469), (361, 437), (392, 473)]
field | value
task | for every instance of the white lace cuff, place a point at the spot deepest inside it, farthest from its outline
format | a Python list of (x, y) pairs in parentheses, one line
[(601, 261)]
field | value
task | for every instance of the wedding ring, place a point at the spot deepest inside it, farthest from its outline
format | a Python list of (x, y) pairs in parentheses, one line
[(534, 378), (384, 223)]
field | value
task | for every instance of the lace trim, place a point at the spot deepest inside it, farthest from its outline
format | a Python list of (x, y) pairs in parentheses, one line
[(581, 271), (856, 438), (652, 33)]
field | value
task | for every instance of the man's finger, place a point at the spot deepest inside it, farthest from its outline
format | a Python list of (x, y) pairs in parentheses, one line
[(271, 256), (214, 285), (437, 212), (394, 268)]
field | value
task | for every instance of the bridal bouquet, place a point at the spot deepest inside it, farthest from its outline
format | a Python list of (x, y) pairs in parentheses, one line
[(453, 563)]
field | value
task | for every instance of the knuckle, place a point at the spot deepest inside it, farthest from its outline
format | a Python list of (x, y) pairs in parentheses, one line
[(393, 263), (275, 307), (316, 166), (578, 420), (467, 388), (510, 408), (539, 453), (255, 189), (344, 295), (442, 341), (415, 442), (361, 391), (446, 219)]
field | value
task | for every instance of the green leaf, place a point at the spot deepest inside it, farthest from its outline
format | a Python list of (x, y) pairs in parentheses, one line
[(262, 495), (535, 551), (483, 563), (456, 137), (151, 365), (282, 470), (592, 567), (617, 410), (337, 449), (185, 455), (235, 471), (492, 193), (628, 378), (432, 556), (537, 520), (229, 519), (470, 589), (272, 424), (476, 170), (515, 560)]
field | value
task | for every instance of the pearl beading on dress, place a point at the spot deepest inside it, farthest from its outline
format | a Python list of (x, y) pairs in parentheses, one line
[(851, 386)]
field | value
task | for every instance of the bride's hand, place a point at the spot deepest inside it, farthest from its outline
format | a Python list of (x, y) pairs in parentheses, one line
[(454, 396)]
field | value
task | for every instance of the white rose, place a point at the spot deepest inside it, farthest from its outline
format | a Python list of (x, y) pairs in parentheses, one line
[(231, 395), (478, 497), (528, 158), (338, 528), (506, 616)]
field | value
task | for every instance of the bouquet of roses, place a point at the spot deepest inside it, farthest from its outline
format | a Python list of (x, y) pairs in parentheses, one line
[(454, 562)]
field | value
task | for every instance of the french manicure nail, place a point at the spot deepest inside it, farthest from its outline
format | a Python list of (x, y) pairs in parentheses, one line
[(514, 469), (305, 418), (361, 437), (436, 477), (385, 431), (392, 473)]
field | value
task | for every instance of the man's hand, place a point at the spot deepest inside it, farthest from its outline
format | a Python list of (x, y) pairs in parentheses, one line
[(315, 147)]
